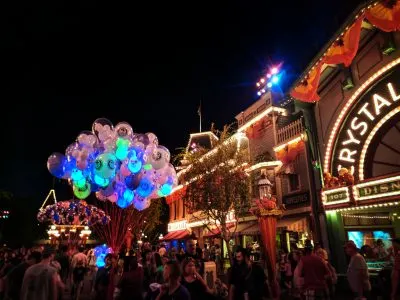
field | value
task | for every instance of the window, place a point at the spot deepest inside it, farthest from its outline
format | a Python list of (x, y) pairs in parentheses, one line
[(175, 210), (294, 182)]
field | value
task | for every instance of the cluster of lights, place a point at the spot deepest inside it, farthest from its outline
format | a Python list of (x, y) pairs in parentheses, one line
[(53, 232), (265, 83), (346, 108), (4, 214), (363, 207), (366, 217)]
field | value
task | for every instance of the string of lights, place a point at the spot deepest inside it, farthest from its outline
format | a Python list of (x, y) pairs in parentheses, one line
[(366, 217)]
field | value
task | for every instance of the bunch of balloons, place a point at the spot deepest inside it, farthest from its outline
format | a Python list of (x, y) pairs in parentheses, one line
[(73, 213), (100, 253), (119, 165)]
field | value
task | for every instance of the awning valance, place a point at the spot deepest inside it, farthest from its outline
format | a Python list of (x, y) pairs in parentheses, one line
[(299, 224), (177, 235)]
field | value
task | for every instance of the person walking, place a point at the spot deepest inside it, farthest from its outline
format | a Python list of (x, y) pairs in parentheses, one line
[(41, 280), (357, 272)]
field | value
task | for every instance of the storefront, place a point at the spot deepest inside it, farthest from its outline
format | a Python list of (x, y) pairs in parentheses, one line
[(362, 202), (367, 213), (177, 235)]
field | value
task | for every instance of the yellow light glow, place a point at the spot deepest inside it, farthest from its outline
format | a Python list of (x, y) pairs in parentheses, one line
[(295, 140), (265, 164), (262, 115), (346, 108)]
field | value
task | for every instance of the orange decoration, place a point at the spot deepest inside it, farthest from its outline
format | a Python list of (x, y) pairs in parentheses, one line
[(307, 89), (290, 152), (176, 195), (385, 15), (345, 48)]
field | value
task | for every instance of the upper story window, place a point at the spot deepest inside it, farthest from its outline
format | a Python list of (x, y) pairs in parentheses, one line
[(293, 182)]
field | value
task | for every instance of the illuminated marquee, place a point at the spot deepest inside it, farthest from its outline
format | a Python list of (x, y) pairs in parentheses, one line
[(370, 109), (377, 188)]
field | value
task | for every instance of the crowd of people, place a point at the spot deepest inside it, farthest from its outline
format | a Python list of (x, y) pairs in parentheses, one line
[(157, 273)]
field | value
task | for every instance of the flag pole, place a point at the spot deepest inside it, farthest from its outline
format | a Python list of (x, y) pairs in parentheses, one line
[(199, 113)]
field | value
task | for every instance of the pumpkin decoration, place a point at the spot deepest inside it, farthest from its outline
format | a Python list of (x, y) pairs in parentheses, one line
[(330, 181), (345, 177)]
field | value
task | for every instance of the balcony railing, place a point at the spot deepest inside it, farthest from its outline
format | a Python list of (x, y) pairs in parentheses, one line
[(290, 131)]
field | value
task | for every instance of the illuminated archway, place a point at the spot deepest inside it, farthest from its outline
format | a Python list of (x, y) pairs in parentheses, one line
[(343, 113), (372, 104), (380, 136)]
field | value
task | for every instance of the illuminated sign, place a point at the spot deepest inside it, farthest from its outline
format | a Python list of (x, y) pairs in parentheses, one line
[(370, 109), (336, 196), (377, 188), (175, 226)]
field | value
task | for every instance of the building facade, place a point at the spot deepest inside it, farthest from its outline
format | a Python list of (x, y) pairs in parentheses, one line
[(354, 136), (330, 152)]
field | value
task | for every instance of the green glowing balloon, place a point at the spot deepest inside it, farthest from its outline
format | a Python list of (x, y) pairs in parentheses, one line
[(82, 192)]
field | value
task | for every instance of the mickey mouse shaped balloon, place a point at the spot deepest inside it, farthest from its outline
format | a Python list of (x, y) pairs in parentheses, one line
[(117, 164)]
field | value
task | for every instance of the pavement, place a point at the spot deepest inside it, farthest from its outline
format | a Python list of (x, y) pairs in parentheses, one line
[(86, 290)]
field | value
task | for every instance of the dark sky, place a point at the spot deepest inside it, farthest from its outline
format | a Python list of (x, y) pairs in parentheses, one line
[(66, 63)]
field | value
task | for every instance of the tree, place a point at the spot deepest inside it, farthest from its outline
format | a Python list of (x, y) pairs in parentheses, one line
[(126, 220), (217, 182)]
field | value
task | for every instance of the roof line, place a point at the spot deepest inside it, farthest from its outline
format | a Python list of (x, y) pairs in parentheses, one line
[(316, 58)]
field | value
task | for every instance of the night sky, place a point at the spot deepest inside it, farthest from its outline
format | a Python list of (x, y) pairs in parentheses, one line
[(65, 63)]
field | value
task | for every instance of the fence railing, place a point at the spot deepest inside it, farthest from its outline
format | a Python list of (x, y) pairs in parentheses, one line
[(290, 131)]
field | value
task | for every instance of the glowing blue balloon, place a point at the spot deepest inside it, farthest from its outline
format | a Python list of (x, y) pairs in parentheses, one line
[(145, 187), (100, 253), (100, 181), (122, 152), (166, 189), (76, 175), (134, 163), (132, 182)]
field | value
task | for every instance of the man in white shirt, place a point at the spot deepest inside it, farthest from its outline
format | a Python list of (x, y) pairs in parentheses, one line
[(357, 272)]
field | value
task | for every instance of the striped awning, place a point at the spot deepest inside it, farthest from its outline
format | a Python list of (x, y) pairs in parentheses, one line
[(299, 224)]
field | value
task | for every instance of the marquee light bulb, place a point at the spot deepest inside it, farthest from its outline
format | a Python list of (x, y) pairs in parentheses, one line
[(269, 75), (274, 70), (262, 80)]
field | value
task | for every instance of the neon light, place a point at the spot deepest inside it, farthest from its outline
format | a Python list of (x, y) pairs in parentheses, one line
[(370, 137), (346, 108)]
